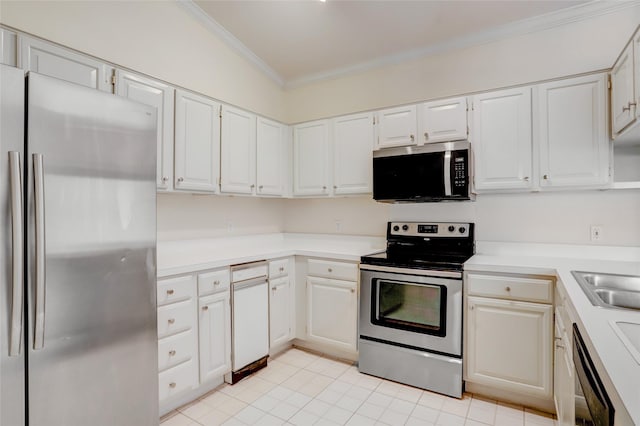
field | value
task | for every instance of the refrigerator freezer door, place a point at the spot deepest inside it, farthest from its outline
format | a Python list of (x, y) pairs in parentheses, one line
[(12, 351), (92, 345)]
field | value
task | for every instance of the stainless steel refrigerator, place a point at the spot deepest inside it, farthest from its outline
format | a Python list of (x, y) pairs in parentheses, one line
[(78, 256)]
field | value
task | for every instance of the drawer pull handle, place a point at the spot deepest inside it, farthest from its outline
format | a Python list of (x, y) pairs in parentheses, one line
[(352, 290), (169, 292), (172, 385), (508, 288), (216, 282), (330, 270), (172, 353), (205, 308), (171, 320)]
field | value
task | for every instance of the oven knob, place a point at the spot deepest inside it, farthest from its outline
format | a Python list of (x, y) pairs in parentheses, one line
[(405, 227), (462, 229), (396, 228), (451, 228)]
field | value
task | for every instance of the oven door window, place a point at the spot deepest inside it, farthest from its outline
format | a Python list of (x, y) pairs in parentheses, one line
[(409, 306)]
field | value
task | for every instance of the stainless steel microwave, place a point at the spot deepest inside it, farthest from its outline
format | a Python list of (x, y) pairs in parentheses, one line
[(432, 172)]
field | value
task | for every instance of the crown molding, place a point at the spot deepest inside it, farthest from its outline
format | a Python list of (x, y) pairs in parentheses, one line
[(220, 31), (517, 28)]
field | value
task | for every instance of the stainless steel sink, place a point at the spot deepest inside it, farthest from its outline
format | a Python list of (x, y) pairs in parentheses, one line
[(610, 290)]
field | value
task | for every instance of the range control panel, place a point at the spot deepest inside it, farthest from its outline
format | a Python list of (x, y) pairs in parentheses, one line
[(429, 229)]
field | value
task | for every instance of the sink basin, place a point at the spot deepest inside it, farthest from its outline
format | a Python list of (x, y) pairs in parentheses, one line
[(610, 290)]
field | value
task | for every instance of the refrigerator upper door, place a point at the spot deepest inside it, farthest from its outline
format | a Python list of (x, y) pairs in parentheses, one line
[(91, 200), (12, 352)]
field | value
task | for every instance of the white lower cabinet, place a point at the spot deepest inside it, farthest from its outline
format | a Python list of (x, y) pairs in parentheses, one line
[(564, 370), (279, 311), (509, 341), (215, 335), (332, 307), (177, 336)]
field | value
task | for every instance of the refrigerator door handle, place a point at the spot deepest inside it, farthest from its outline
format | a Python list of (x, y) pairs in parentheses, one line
[(15, 340), (40, 274)]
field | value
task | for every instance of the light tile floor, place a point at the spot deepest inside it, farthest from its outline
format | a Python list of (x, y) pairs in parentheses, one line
[(300, 388)]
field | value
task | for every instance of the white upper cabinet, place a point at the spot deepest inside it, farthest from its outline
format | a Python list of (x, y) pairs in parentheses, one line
[(197, 143), (161, 96), (623, 112), (271, 162), (444, 120), (311, 158), (238, 151), (8, 43), (397, 126), (501, 139), (574, 142), (45, 58), (353, 138)]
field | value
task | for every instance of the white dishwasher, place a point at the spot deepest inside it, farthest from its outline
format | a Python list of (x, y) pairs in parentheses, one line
[(250, 319)]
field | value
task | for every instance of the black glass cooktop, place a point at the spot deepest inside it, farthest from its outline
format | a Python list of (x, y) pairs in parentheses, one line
[(431, 262)]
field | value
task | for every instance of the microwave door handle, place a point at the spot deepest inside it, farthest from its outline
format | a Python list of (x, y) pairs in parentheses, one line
[(447, 173)]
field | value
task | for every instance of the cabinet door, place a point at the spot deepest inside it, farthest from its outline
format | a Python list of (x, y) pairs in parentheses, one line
[(352, 154), (311, 158), (444, 120), (48, 59), (509, 345), (279, 311), (270, 157), (197, 153), (574, 142), (564, 383), (331, 312), (161, 96), (238, 139), (501, 137), (397, 126), (8, 44), (622, 93), (215, 336)]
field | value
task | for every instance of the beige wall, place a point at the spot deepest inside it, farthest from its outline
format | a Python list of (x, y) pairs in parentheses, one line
[(158, 38), (579, 47), (186, 216)]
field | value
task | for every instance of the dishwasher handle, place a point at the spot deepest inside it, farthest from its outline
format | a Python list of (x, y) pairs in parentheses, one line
[(241, 285)]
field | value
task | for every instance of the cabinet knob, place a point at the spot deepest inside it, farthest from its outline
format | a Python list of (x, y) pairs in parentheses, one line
[(526, 178), (274, 288), (171, 320), (329, 270), (172, 352), (335, 187), (216, 282), (324, 188), (352, 290), (205, 308), (260, 187), (545, 177), (165, 179), (172, 385), (471, 307), (508, 288), (426, 136), (412, 138), (252, 186), (170, 292), (180, 179), (281, 269)]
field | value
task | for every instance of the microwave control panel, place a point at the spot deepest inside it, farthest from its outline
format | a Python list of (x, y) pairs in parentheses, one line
[(459, 172)]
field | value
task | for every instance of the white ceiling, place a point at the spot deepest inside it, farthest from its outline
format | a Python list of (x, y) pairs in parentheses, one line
[(297, 41)]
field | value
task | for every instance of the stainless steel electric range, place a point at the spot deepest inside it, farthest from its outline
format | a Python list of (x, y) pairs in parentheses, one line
[(410, 319)]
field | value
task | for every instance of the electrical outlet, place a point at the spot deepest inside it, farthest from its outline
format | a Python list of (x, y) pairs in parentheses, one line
[(596, 232), (338, 226), (230, 227)]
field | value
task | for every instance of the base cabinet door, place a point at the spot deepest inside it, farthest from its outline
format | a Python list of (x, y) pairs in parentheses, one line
[(564, 385), (279, 311), (215, 336), (331, 312), (509, 345)]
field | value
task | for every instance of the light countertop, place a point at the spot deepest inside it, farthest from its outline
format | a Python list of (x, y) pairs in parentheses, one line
[(620, 367), (178, 257)]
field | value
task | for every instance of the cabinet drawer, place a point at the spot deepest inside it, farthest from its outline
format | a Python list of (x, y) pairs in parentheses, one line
[(506, 287), (335, 270), (174, 350), (177, 379), (176, 289), (213, 282), (175, 318), (278, 268)]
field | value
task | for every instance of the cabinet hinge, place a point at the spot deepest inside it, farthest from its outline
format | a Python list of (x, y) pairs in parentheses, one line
[(609, 83), (467, 130), (220, 115), (113, 79), (374, 121)]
